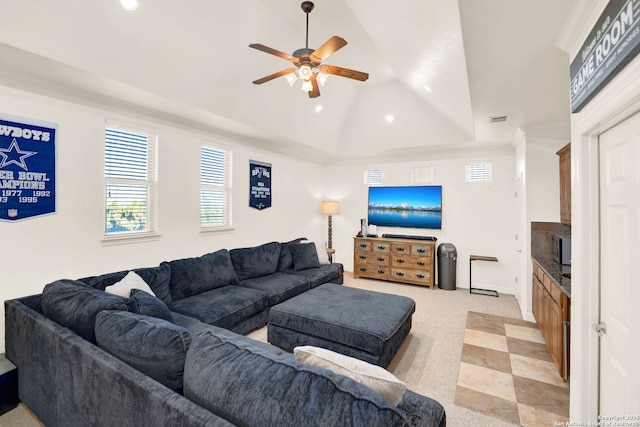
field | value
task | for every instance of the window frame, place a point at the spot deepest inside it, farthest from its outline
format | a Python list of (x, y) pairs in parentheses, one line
[(226, 188), (150, 183), (371, 174), (469, 176)]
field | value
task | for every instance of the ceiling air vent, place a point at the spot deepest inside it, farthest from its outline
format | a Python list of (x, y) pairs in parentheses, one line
[(498, 119)]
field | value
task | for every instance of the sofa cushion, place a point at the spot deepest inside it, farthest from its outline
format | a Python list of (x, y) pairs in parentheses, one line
[(148, 305), (153, 346), (250, 386), (285, 262), (375, 377), (278, 286), (127, 284), (192, 276), (256, 261), (304, 256), (224, 307), (75, 305), (326, 273), (157, 278)]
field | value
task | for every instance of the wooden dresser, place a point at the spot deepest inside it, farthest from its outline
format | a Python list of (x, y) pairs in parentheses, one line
[(397, 260)]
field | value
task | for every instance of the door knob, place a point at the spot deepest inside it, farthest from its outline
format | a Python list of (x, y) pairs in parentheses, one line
[(600, 328)]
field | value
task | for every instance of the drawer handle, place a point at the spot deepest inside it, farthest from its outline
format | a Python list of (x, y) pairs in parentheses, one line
[(380, 271), (363, 269), (400, 249), (420, 276), (380, 259), (382, 248), (363, 245), (421, 251), (420, 263), (363, 257), (400, 261), (399, 274)]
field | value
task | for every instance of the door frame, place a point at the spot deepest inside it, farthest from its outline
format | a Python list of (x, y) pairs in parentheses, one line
[(619, 100)]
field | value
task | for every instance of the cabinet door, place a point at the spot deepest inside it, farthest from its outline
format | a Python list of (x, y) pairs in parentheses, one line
[(556, 332), (565, 184), (537, 300), (546, 316)]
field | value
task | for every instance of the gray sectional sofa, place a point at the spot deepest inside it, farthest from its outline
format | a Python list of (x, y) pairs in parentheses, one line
[(89, 357)]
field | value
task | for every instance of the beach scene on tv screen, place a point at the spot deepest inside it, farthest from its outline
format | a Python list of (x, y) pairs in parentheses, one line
[(415, 207)]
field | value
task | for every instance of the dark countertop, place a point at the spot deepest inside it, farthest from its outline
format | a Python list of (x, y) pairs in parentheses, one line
[(555, 271)]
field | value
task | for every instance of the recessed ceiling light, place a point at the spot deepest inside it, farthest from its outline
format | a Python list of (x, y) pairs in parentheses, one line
[(389, 118), (129, 5), (318, 108), (427, 88)]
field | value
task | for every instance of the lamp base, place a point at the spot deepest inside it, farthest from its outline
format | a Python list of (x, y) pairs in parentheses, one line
[(330, 252)]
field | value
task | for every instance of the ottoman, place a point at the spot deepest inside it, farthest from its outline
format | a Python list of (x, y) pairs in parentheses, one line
[(363, 324)]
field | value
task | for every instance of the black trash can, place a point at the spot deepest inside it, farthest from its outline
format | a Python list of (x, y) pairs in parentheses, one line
[(447, 256)]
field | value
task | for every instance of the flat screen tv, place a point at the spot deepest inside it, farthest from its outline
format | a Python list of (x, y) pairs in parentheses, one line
[(409, 206)]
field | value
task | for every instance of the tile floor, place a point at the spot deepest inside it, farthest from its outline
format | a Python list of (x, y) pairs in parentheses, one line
[(507, 372)]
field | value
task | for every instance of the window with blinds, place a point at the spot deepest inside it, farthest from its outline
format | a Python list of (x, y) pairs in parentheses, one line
[(422, 174), (478, 171), (373, 176), (215, 188), (130, 181)]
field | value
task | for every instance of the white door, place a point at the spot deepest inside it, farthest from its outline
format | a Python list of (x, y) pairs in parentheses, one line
[(620, 265)]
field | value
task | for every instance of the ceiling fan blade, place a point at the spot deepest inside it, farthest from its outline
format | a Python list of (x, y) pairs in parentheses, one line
[(274, 76), (272, 51), (344, 72), (315, 92), (329, 47)]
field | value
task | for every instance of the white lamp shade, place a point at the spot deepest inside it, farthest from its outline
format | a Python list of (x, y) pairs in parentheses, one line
[(330, 207)]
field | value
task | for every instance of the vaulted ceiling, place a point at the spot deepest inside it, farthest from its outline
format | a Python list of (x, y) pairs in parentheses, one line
[(442, 68)]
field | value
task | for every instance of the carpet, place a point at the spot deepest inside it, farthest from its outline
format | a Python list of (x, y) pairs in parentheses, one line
[(506, 372)]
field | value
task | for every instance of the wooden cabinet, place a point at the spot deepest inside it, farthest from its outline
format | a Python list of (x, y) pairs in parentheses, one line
[(565, 184), (551, 308), (398, 260)]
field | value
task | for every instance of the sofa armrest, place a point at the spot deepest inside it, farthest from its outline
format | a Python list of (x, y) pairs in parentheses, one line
[(422, 411)]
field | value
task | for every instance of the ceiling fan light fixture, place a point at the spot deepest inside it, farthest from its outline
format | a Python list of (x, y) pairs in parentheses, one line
[(305, 72), (307, 86), (291, 78), (322, 78), (129, 5)]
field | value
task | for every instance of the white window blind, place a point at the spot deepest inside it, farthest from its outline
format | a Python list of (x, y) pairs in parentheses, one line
[(422, 174), (130, 181), (478, 171), (373, 176), (215, 188)]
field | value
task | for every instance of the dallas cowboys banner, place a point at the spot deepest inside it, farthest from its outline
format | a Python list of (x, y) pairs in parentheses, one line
[(259, 185), (27, 168)]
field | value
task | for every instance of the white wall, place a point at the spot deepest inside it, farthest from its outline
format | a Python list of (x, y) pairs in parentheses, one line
[(67, 244), (537, 161), (477, 218)]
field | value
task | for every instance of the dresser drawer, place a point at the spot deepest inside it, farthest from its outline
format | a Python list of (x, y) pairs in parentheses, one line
[(410, 262), (421, 250), (381, 247), (372, 258), (363, 245), (401, 248), (415, 276), (372, 271)]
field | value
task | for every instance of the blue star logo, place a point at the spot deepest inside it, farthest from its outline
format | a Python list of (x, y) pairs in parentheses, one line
[(15, 156)]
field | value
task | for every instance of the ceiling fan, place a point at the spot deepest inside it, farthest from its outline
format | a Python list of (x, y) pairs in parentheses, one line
[(308, 62)]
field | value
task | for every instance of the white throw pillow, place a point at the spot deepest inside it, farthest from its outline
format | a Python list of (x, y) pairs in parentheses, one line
[(128, 282), (375, 377)]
